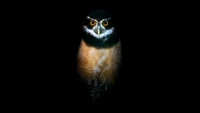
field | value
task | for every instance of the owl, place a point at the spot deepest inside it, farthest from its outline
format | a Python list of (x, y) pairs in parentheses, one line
[(99, 54)]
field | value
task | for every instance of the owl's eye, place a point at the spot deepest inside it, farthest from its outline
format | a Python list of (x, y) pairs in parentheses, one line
[(105, 23), (92, 23)]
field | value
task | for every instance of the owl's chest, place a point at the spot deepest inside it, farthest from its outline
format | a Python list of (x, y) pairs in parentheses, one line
[(99, 60), (95, 60)]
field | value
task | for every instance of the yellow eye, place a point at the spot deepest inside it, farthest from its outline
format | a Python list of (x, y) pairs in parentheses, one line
[(92, 23), (105, 23)]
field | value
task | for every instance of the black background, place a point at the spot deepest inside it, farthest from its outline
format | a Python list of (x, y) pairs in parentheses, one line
[(48, 37)]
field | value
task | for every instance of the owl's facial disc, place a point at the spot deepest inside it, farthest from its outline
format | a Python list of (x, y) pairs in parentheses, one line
[(98, 28)]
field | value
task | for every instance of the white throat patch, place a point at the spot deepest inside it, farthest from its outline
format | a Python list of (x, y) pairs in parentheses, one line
[(104, 34)]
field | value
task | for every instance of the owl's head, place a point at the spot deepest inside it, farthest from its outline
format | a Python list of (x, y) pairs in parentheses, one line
[(99, 25)]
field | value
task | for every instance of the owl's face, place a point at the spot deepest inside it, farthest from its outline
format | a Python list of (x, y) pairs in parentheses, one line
[(99, 25)]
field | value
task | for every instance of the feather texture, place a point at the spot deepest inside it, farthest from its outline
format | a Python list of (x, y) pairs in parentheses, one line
[(102, 63), (99, 66)]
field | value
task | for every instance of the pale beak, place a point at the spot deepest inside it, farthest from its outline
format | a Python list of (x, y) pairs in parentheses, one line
[(98, 31)]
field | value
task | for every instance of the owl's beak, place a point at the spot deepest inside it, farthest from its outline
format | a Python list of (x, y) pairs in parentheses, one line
[(98, 32)]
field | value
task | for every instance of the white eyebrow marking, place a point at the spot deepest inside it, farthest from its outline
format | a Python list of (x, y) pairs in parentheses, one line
[(91, 18), (97, 21), (104, 20)]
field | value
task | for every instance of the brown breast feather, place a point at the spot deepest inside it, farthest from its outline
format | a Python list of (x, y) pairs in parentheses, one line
[(99, 63)]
